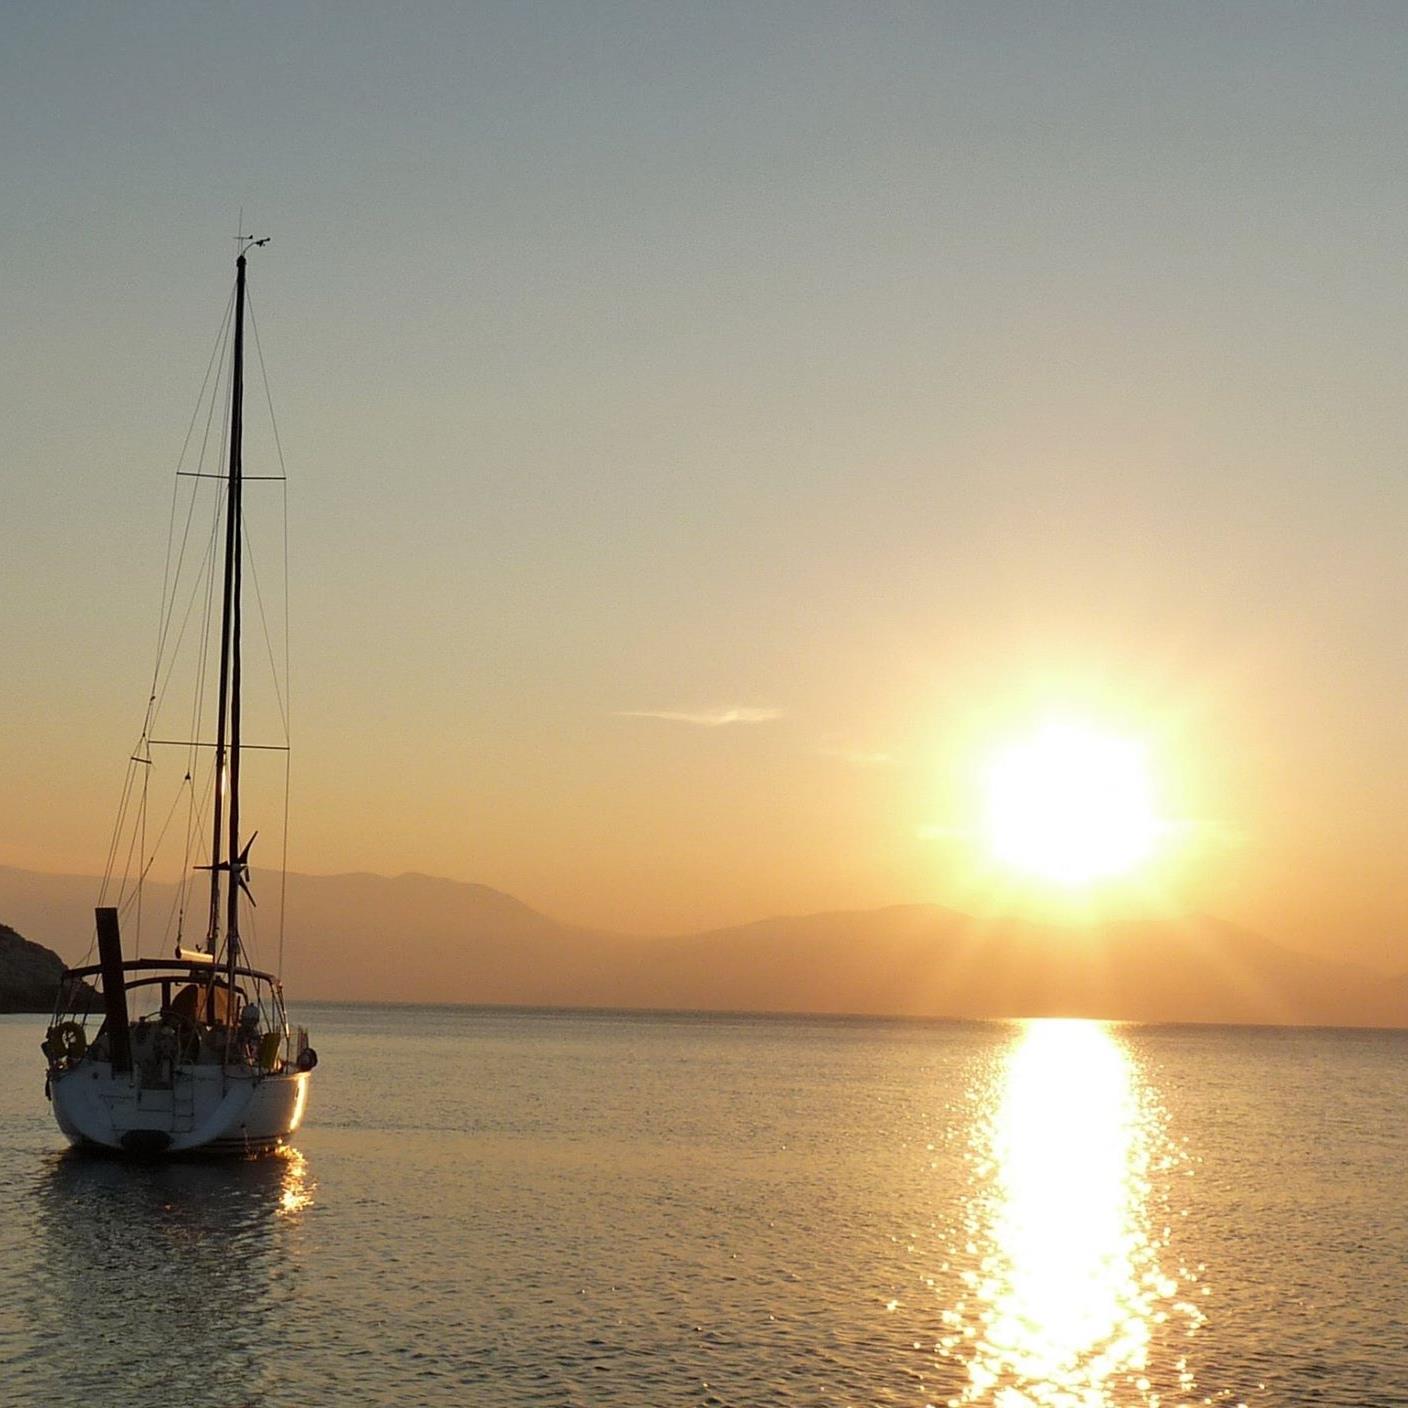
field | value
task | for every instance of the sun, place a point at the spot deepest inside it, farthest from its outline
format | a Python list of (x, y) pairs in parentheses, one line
[(1070, 805)]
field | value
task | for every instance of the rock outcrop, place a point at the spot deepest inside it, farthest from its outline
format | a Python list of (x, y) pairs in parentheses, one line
[(29, 974)]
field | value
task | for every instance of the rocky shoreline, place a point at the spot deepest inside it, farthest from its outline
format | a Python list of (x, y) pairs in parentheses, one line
[(29, 974)]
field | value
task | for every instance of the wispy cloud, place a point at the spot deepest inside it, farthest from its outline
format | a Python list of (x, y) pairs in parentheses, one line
[(705, 718)]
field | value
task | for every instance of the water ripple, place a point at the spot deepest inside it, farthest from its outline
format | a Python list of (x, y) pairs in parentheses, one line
[(639, 1212)]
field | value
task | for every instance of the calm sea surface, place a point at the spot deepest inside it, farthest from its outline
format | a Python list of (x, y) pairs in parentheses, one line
[(514, 1208)]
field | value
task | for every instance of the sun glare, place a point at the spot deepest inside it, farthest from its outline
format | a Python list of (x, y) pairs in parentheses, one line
[(1070, 805)]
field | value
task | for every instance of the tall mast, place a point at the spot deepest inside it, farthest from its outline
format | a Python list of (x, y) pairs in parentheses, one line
[(227, 732), (236, 496), (228, 621)]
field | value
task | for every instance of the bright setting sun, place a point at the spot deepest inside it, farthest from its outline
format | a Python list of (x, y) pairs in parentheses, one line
[(1070, 805)]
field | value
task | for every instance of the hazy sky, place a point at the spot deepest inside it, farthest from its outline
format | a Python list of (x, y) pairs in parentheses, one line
[(876, 377)]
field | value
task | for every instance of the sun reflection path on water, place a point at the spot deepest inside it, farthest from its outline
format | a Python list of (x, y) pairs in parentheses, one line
[(296, 1192), (1065, 1293)]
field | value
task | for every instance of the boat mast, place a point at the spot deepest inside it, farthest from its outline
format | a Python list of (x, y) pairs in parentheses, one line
[(236, 495), (227, 733)]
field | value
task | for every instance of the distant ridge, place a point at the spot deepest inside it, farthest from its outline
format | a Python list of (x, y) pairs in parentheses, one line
[(416, 938)]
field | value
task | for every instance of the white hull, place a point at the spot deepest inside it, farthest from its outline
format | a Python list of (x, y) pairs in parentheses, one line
[(206, 1109)]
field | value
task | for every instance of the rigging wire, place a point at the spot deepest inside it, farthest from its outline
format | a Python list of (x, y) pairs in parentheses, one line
[(287, 697), (141, 755), (196, 812), (133, 897), (194, 786), (175, 914), (174, 626), (170, 579), (197, 717), (268, 637), (203, 572), (142, 845), (195, 834), (117, 830), (281, 705), (127, 865)]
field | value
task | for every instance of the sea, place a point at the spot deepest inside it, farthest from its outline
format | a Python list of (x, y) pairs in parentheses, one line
[(508, 1207)]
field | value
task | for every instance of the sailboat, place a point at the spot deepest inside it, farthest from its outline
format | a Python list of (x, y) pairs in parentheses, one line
[(192, 1053)]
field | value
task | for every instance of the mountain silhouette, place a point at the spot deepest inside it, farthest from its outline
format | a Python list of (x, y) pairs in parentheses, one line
[(415, 938)]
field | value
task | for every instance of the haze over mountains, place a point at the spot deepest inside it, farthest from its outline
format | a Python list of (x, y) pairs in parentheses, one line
[(418, 939)]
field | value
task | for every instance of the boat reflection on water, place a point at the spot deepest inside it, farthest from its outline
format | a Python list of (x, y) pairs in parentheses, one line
[(188, 1268), (1067, 1300)]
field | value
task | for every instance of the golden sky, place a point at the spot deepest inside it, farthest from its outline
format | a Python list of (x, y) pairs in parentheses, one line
[(712, 433)]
